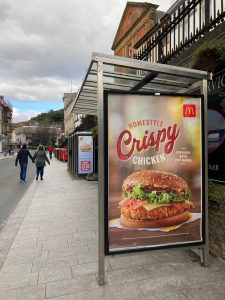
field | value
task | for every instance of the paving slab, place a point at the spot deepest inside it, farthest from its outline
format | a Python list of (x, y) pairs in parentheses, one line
[(208, 291), (17, 269), (54, 275), (11, 280), (63, 287), (35, 292)]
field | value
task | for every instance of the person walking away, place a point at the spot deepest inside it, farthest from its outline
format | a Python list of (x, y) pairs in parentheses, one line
[(22, 157), (40, 158), (50, 150)]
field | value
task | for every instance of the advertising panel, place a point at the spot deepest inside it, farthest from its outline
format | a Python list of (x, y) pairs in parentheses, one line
[(154, 176), (216, 128), (85, 154)]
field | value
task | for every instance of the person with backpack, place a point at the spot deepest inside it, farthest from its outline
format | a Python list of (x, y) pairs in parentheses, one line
[(40, 158)]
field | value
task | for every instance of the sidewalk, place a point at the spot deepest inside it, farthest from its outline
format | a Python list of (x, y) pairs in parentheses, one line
[(2, 156), (48, 250)]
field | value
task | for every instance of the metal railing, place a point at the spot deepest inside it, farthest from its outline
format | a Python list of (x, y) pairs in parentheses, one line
[(188, 22)]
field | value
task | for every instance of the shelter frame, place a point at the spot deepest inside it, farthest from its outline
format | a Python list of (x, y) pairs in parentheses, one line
[(107, 72)]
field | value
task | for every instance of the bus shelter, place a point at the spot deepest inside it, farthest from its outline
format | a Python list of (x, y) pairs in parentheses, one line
[(80, 153), (126, 76)]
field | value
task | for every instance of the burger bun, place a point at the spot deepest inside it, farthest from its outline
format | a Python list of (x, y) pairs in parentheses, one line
[(155, 223), (154, 180), (85, 147)]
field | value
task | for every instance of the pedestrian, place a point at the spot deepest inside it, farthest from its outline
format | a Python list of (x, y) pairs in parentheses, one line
[(40, 157), (50, 150), (22, 157)]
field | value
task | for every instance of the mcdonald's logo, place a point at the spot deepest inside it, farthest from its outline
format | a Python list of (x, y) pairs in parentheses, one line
[(189, 110)]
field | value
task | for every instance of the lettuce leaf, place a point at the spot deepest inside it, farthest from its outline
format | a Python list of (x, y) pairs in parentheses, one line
[(155, 197)]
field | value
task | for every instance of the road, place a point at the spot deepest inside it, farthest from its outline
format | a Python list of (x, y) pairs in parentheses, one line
[(11, 189)]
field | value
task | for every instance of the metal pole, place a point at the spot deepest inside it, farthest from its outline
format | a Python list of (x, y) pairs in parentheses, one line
[(69, 156), (204, 252), (101, 240), (76, 155)]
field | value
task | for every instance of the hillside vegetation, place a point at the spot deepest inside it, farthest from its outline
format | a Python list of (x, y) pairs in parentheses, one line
[(50, 118)]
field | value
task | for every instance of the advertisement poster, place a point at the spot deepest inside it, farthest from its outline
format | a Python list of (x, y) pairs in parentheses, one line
[(216, 129), (85, 154), (154, 187)]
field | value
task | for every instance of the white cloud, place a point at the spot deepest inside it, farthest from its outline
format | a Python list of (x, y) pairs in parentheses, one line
[(36, 88), (45, 45), (19, 116)]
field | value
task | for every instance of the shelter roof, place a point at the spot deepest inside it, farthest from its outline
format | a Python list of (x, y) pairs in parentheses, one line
[(126, 74)]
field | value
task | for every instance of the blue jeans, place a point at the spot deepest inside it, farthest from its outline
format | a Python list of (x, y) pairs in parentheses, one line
[(23, 171), (40, 171)]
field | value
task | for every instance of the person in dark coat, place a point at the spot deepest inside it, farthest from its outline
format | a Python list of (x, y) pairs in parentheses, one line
[(22, 157), (40, 158)]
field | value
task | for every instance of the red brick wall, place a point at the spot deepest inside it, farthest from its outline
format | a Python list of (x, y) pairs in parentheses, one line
[(141, 32), (120, 52), (133, 13), (136, 36)]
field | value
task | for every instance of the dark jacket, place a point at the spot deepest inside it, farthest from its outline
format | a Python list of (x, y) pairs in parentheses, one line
[(22, 156), (40, 157)]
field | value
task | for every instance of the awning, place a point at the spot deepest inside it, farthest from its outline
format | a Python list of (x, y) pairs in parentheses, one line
[(119, 73)]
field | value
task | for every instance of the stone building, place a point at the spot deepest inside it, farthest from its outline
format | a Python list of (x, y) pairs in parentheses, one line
[(137, 19), (76, 122), (69, 117), (35, 135), (5, 124)]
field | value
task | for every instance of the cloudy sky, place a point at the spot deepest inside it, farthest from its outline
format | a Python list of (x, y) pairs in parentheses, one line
[(46, 47)]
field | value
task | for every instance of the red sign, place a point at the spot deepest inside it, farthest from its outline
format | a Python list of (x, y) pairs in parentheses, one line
[(85, 165), (189, 110)]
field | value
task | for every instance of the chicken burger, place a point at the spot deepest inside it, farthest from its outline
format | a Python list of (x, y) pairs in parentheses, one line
[(85, 147), (154, 199)]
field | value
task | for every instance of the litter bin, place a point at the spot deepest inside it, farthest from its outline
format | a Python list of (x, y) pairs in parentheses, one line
[(64, 154), (60, 153)]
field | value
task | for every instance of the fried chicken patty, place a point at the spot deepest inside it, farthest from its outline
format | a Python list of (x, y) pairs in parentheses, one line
[(134, 209)]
